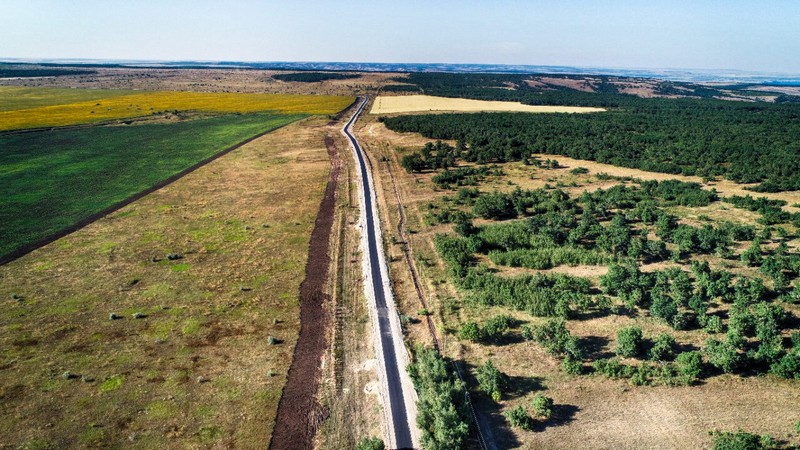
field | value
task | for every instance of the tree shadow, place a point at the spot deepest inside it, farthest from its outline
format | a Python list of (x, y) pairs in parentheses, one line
[(595, 347), (501, 433), (562, 415), (519, 386)]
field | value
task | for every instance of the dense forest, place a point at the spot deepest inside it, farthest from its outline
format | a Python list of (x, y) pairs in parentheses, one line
[(12, 72), (314, 77), (742, 141)]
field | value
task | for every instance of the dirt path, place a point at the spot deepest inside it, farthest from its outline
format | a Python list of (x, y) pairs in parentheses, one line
[(299, 413)]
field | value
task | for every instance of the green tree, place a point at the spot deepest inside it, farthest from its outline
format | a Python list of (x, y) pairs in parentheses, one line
[(752, 256), (543, 406), (723, 355), (413, 163), (629, 341), (690, 364), (471, 331), (491, 381), (663, 348), (519, 417)]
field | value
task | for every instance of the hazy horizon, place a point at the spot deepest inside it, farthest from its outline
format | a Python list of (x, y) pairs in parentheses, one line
[(676, 35)]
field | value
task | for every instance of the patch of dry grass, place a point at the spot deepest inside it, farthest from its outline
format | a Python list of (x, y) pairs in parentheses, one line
[(198, 370), (427, 103)]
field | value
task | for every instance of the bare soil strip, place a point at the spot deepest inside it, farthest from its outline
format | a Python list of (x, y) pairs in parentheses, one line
[(299, 412)]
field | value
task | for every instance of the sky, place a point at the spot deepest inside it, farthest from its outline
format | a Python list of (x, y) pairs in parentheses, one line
[(762, 36)]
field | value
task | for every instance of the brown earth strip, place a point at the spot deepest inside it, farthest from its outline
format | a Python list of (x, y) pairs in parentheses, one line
[(299, 412)]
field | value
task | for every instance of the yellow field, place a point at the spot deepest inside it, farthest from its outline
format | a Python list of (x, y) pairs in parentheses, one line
[(147, 103), (423, 103)]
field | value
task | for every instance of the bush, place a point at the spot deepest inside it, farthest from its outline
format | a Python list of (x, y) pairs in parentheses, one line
[(572, 366), (663, 348), (690, 364), (495, 328), (787, 367), (742, 440), (629, 342), (491, 381), (519, 417), (723, 355), (714, 325), (370, 443), (470, 331), (543, 406)]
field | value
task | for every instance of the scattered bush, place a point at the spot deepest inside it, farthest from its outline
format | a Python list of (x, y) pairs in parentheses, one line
[(491, 381), (543, 406), (629, 342), (519, 417)]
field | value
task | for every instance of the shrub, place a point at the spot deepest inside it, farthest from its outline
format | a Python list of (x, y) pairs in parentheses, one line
[(663, 348), (742, 440), (519, 417), (572, 366), (470, 331), (491, 381), (495, 328), (543, 406), (714, 325), (370, 443), (787, 367), (723, 355), (690, 364), (629, 342)]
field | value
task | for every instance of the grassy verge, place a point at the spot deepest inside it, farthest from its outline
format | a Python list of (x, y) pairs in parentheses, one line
[(51, 180), (199, 370)]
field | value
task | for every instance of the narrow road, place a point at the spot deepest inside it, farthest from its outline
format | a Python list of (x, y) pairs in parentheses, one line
[(397, 391)]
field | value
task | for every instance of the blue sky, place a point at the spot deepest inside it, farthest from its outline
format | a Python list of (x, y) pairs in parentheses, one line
[(759, 36)]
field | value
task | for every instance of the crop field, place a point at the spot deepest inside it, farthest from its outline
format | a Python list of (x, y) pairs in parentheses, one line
[(18, 97), (427, 103), (646, 403), (199, 368), (149, 103), (51, 180)]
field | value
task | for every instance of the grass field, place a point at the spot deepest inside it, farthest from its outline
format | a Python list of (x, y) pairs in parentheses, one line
[(427, 103), (50, 180), (117, 107), (199, 371)]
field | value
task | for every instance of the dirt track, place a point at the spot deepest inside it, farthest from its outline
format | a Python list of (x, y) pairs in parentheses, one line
[(299, 414)]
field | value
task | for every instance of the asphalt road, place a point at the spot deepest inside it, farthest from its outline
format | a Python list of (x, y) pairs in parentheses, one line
[(397, 406)]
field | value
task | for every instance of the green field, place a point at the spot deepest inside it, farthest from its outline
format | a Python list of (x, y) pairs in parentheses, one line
[(51, 180)]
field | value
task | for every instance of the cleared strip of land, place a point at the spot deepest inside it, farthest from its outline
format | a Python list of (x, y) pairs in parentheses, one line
[(427, 103)]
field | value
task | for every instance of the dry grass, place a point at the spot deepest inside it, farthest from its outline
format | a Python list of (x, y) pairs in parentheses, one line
[(427, 103), (144, 104), (198, 371), (208, 80)]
